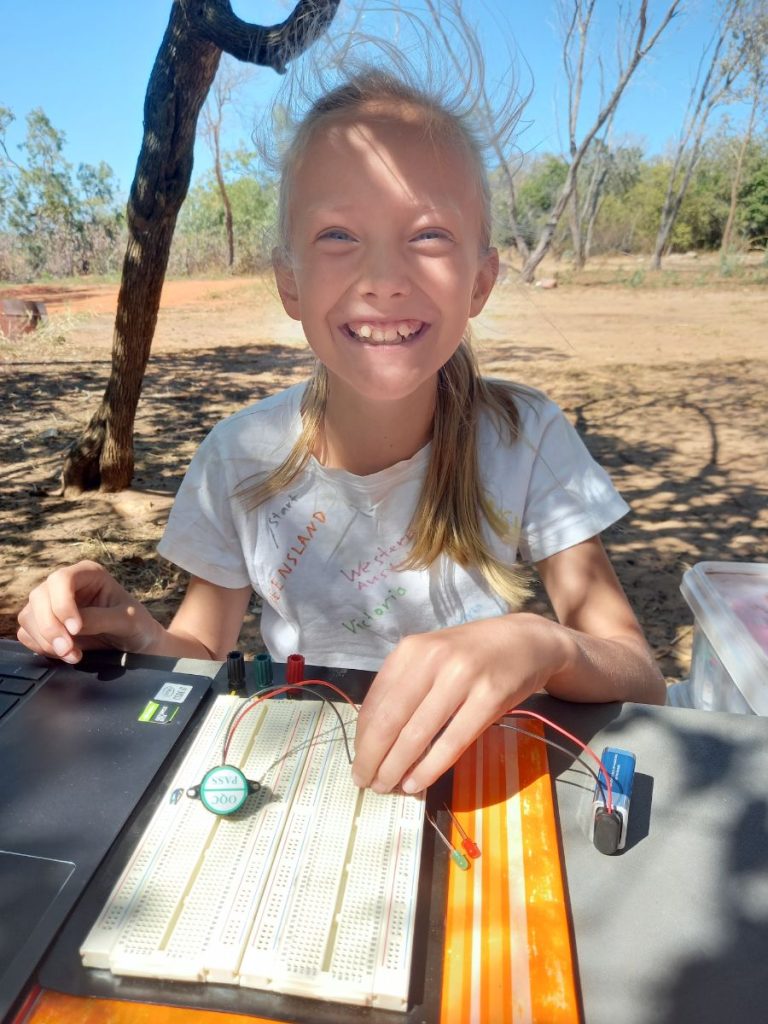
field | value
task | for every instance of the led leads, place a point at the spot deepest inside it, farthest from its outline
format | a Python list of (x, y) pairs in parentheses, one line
[(456, 855), (470, 846)]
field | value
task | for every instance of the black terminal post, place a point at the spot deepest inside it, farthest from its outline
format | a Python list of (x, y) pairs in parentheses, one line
[(236, 673)]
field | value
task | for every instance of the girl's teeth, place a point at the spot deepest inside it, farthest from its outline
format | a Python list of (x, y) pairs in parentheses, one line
[(386, 334)]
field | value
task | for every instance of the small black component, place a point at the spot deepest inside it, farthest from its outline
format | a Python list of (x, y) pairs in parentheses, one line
[(236, 672), (607, 830)]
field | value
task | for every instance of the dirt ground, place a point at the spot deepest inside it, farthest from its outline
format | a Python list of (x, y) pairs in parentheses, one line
[(666, 382)]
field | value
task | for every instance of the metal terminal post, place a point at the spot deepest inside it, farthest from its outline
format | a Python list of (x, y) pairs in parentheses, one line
[(236, 673)]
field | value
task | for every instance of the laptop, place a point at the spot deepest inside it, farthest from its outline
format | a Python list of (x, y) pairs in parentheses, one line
[(79, 747)]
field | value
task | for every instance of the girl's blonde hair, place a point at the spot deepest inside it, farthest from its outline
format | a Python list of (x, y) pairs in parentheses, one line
[(453, 506)]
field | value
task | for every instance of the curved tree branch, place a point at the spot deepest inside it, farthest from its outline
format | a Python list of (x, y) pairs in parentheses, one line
[(271, 46)]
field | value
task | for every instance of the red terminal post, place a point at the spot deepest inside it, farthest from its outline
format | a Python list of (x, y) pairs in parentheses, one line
[(294, 673), (469, 845)]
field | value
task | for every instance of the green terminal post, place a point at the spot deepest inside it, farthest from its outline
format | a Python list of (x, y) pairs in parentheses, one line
[(262, 671)]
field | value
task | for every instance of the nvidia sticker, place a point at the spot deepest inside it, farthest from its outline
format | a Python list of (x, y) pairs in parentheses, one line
[(160, 714)]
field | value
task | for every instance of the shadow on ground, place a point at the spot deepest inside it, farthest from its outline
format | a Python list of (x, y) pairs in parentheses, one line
[(687, 445), (45, 407)]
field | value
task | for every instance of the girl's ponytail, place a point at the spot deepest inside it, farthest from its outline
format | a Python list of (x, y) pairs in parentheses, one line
[(453, 505)]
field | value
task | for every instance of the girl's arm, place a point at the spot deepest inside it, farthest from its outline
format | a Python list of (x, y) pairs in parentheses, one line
[(210, 615), (609, 658), (438, 691), (82, 607)]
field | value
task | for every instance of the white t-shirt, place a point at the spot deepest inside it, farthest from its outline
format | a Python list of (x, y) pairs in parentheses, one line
[(323, 555)]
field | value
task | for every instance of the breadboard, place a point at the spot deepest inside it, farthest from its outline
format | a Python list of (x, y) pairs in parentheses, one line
[(309, 890)]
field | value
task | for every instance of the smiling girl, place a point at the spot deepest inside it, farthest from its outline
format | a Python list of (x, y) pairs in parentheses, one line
[(380, 508)]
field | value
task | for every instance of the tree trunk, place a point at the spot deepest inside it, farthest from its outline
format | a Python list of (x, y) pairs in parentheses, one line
[(229, 224), (577, 242), (662, 237), (722, 64), (514, 217), (197, 33), (592, 206), (676, 193), (183, 72), (725, 243), (103, 455), (528, 273)]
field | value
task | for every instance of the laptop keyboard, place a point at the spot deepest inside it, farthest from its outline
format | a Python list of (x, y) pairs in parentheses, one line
[(17, 679)]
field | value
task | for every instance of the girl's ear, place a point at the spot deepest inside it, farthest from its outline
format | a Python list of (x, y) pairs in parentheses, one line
[(485, 280), (286, 285)]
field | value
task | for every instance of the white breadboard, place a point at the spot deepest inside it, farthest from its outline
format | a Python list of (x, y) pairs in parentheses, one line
[(310, 889)]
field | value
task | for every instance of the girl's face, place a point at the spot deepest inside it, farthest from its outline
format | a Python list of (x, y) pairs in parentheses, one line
[(387, 259)]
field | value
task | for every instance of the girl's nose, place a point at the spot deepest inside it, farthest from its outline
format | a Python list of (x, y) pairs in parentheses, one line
[(383, 274)]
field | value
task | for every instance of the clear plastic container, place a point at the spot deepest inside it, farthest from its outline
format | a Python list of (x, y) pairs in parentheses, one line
[(729, 663)]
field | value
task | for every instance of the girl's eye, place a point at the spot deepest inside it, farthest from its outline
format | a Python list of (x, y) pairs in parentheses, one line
[(335, 235), (432, 235)]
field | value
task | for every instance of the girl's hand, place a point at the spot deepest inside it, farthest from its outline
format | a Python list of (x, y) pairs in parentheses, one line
[(81, 607), (458, 680)]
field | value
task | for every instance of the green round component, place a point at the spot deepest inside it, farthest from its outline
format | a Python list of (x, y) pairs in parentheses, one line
[(224, 789)]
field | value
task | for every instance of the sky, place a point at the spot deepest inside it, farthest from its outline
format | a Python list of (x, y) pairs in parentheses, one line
[(87, 65)]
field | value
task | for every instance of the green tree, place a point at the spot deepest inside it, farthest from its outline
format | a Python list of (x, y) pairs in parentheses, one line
[(754, 203), (704, 209), (202, 240), (755, 37), (540, 183), (43, 202), (101, 219), (629, 216), (722, 64), (609, 171), (7, 163), (61, 220)]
